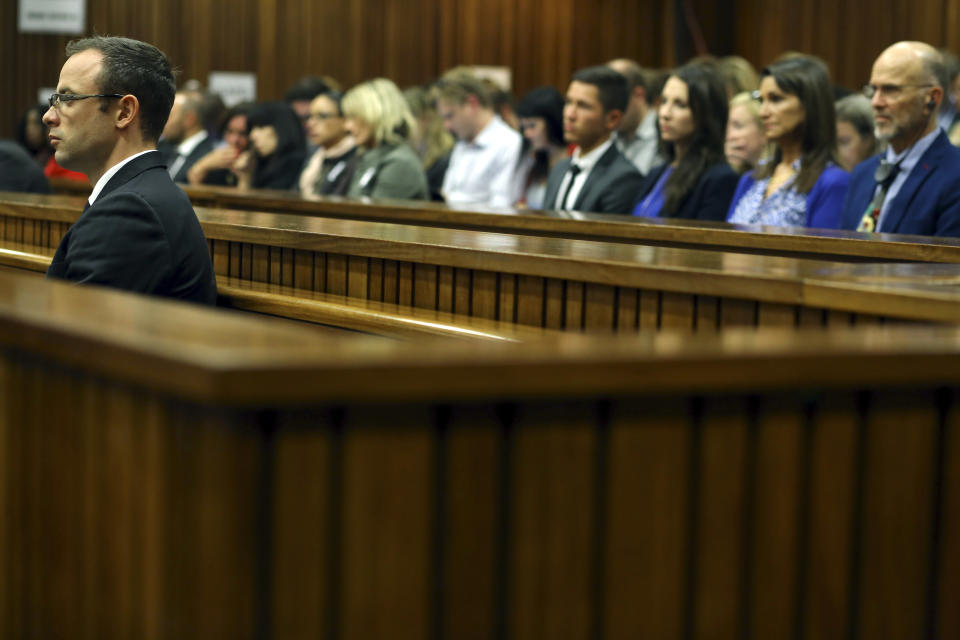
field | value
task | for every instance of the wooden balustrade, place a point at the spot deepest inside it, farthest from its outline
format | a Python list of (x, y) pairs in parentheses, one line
[(174, 471), (552, 283)]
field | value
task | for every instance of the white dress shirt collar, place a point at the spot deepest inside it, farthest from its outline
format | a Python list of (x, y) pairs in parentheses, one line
[(112, 171)]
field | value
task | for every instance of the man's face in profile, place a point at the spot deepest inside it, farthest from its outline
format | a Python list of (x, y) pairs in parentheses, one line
[(81, 131)]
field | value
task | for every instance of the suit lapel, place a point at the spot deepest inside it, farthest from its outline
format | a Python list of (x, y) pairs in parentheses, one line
[(595, 176), (133, 168), (911, 187), (553, 184)]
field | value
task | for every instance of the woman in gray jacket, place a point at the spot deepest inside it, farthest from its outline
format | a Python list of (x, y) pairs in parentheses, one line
[(381, 123)]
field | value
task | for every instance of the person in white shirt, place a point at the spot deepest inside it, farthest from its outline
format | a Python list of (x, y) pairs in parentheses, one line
[(185, 140), (484, 162), (637, 136)]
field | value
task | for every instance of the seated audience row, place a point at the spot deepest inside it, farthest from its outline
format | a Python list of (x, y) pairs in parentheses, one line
[(621, 139)]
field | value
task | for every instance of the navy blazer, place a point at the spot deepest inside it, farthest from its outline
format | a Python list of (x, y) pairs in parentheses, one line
[(141, 234), (708, 200), (927, 204), (611, 186), (18, 171)]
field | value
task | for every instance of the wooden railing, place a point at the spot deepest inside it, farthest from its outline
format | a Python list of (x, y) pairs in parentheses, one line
[(552, 283), (173, 471)]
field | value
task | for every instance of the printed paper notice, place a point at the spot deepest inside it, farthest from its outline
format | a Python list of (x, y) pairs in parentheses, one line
[(233, 86), (53, 16)]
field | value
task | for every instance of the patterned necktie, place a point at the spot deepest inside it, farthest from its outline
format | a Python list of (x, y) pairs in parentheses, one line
[(885, 174)]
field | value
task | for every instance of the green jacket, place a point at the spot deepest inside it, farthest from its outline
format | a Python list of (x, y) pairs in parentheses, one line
[(390, 171)]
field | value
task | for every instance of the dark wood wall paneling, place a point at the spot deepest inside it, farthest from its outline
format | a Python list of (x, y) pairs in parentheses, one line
[(415, 40)]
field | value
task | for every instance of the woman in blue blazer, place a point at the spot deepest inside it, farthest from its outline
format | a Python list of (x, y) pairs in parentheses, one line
[(802, 184), (696, 182)]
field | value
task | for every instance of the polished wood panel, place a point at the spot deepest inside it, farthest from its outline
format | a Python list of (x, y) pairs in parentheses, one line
[(228, 477), (413, 42), (593, 278)]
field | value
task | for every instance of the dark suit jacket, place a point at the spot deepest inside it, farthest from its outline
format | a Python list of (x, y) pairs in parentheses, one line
[(611, 186), (141, 234), (928, 203), (708, 200), (170, 155), (18, 171)]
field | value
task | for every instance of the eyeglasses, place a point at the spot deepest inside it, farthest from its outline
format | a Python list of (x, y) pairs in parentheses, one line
[(57, 99), (322, 116), (891, 91)]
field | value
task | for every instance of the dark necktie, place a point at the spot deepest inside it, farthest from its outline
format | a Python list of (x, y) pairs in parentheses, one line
[(574, 171), (885, 174)]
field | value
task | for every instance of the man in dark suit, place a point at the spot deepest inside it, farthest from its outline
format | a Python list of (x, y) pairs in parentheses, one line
[(185, 139), (18, 171), (914, 186), (138, 231), (597, 178)]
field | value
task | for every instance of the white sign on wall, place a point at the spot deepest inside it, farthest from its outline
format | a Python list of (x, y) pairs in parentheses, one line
[(233, 86), (53, 16)]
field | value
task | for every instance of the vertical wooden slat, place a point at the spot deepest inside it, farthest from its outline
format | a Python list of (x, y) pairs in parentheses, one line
[(302, 525), (599, 308), (471, 530), (677, 311), (506, 297), (260, 254), (483, 301), (375, 280), (303, 269), (720, 518), (898, 496), (425, 286), (948, 616), (832, 489), (645, 550), (627, 319), (246, 260), (405, 284), (553, 305), (707, 313), (221, 257), (337, 274), (463, 291), (358, 268), (649, 310), (530, 301), (445, 292), (776, 494), (391, 273), (573, 308), (737, 313), (386, 540), (286, 267), (552, 516)]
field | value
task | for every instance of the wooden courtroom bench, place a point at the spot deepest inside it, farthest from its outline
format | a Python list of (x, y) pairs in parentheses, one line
[(174, 471), (325, 309), (551, 283), (824, 244)]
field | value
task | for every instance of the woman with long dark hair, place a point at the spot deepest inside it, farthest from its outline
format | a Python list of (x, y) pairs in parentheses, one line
[(801, 185), (696, 182), (279, 149)]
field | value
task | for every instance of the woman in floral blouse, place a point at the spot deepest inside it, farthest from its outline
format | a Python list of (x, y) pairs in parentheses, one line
[(802, 184)]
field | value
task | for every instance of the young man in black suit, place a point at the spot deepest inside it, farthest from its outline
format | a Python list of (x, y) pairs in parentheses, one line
[(138, 231), (597, 178)]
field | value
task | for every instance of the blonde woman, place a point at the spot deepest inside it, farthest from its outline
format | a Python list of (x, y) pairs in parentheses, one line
[(379, 120), (745, 142)]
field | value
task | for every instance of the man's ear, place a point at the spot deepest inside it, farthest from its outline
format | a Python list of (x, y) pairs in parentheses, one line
[(128, 111), (612, 119)]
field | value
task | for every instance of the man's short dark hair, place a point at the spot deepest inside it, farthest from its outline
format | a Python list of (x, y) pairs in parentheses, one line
[(137, 68), (306, 88), (611, 86)]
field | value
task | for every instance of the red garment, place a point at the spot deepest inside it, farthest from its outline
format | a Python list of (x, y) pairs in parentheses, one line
[(54, 170)]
